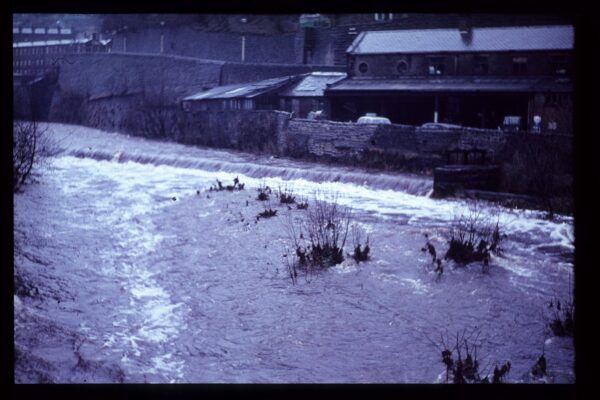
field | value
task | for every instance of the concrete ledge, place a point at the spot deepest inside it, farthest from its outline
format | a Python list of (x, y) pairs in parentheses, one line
[(452, 179)]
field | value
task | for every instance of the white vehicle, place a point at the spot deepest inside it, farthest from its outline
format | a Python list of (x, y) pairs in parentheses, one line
[(440, 125), (373, 119)]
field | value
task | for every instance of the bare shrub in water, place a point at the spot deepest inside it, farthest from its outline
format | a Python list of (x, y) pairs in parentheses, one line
[(459, 355), (361, 252), (319, 239), (474, 236)]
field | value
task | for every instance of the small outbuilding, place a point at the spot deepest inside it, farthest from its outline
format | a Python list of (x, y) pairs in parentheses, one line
[(298, 94), (308, 94), (260, 95)]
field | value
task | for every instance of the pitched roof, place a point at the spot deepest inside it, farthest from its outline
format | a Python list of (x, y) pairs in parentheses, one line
[(313, 85), (452, 84), (243, 90), (514, 38)]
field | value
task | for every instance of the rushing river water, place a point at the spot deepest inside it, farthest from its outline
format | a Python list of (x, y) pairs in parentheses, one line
[(134, 273)]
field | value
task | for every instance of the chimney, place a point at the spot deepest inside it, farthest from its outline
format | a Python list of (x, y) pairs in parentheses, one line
[(94, 37)]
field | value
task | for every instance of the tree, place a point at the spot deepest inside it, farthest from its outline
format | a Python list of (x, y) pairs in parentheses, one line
[(28, 148), (30, 142)]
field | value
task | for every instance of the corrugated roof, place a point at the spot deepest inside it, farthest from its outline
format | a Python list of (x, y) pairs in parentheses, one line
[(516, 38), (243, 90), (463, 84), (313, 85)]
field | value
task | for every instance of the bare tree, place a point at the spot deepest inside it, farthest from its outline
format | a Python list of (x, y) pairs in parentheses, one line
[(28, 147), (156, 110), (30, 142)]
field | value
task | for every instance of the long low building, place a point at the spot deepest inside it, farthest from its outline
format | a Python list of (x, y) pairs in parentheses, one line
[(472, 77), (37, 57), (299, 94)]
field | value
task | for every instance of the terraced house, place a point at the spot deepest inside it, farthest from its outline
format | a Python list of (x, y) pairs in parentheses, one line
[(471, 76)]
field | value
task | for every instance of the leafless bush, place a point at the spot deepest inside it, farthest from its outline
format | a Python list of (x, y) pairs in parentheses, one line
[(263, 192), (319, 240), (286, 195), (430, 248), (157, 118), (474, 236), (302, 204), (30, 145), (466, 367), (268, 213), (539, 368), (560, 316), (361, 252), (542, 167), (219, 186)]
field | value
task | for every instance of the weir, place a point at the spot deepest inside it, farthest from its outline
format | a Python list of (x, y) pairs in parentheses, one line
[(272, 168)]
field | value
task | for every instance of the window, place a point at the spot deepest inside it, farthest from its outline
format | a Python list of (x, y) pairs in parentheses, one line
[(480, 65), (436, 66), (383, 16), (519, 65), (402, 67), (559, 64), (363, 67), (556, 99)]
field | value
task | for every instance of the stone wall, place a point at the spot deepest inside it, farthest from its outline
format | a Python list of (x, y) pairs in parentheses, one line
[(114, 73), (256, 131), (222, 46), (327, 139), (109, 80)]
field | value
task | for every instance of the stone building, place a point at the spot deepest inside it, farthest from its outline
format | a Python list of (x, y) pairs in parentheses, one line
[(469, 76), (313, 39), (323, 38), (37, 57)]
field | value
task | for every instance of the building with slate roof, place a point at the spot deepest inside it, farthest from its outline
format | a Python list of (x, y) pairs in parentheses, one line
[(469, 76), (299, 94), (261, 95), (308, 94)]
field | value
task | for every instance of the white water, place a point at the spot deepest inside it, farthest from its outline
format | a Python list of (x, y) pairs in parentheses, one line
[(176, 291)]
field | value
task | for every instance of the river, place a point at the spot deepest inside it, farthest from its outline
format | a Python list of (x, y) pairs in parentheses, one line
[(133, 272)]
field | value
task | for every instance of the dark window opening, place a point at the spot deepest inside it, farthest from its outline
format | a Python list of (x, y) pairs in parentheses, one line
[(559, 65), (402, 67), (480, 65), (556, 99), (436, 66), (519, 65), (363, 67)]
